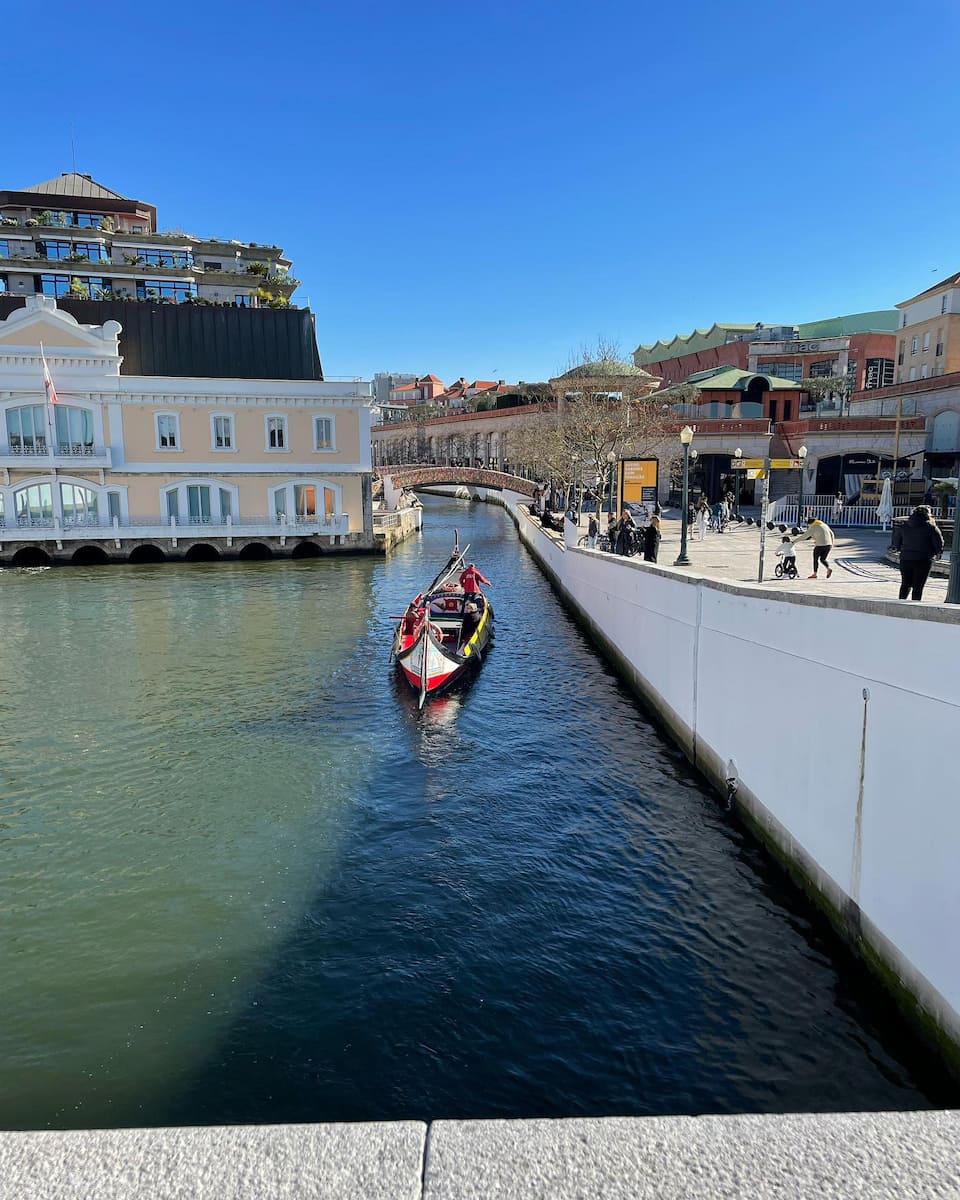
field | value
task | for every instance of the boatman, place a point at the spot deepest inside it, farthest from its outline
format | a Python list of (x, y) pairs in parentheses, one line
[(470, 580)]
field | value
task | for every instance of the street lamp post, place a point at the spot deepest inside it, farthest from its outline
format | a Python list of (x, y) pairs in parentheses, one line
[(686, 437), (611, 459), (738, 455), (802, 455), (953, 586)]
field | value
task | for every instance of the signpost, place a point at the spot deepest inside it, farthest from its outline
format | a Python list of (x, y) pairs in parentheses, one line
[(760, 468)]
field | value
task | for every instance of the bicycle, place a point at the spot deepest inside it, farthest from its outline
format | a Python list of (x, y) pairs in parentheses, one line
[(787, 567), (603, 542)]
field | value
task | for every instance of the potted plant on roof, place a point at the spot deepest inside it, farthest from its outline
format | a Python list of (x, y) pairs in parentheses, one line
[(78, 289)]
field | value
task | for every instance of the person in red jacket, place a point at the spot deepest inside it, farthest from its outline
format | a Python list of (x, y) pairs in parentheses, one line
[(470, 579)]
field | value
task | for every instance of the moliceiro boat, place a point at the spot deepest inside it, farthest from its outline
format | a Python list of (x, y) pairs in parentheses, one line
[(445, 629)]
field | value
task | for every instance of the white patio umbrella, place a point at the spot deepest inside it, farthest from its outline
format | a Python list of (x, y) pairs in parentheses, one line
[(885, 507)]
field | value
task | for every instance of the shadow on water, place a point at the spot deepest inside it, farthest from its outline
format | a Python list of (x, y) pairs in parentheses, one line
[(245, 879), (537, 908)]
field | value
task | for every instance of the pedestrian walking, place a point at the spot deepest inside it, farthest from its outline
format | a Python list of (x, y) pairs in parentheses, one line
[(919, 541), (593, 529), (820, 533), (719, 513), (612, 531), (651, 540), (703, 518)]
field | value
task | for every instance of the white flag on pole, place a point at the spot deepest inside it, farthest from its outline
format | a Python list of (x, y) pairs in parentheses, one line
[(47, 379)]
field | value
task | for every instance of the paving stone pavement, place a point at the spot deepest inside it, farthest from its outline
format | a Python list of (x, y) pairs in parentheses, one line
[(859, 569)]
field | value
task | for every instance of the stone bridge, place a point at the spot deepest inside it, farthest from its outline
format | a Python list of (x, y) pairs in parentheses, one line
[(415, 475)]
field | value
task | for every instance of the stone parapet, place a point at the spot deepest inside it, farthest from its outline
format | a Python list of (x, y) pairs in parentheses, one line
[(792, 1157)]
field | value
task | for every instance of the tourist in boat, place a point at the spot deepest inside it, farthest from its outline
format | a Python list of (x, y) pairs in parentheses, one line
[(470, 580)]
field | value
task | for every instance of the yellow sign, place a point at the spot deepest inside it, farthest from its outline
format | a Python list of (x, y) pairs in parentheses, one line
[(755, 473), (776, 464), (638, 474)]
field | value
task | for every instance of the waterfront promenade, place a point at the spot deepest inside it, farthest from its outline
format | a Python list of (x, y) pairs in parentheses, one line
[(859, 569)]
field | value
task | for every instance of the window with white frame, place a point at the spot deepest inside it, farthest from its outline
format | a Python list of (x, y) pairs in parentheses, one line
[(323, 433), (33, 504), (926, 340), (79, 504), (943, 302), (276, 433), (168, 431), (200, 503), (305, 501), (914, 344), (221, 431)]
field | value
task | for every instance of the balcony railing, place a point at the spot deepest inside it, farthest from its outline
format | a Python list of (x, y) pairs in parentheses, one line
[(50, 528), (37, 453)]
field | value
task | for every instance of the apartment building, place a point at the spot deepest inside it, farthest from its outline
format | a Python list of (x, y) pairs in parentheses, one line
[(929, 334), (72, 236), (115, 466)]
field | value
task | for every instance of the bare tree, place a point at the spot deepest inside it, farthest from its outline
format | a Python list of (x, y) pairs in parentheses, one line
[(605, 406), (823, 387)]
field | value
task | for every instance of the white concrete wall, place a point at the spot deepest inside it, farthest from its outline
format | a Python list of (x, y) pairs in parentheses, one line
[(883, 857)]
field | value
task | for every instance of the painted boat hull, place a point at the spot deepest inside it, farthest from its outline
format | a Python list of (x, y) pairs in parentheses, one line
[(433, 654)]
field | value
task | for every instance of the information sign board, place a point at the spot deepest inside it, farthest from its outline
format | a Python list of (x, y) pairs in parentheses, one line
[(638, 480)]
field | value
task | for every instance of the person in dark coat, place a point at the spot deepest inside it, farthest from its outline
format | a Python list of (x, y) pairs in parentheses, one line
[(651, 540), (626, 529), (919, 541)]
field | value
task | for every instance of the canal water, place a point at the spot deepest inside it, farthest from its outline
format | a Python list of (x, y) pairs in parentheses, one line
[(243, 879)]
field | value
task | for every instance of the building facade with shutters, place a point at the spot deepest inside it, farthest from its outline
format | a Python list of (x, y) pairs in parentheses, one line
[(929, 335)]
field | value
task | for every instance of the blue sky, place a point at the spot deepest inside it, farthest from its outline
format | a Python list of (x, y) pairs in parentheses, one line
[(484, 189)]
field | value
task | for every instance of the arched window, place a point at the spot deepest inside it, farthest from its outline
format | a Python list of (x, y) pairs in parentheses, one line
[(79, 504), (33, 504), (305, 501), (27, 429), (199, 502), (945, 436), (74, 428)]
